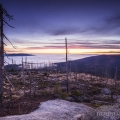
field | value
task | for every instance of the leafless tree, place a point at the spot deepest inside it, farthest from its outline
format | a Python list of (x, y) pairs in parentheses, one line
[(3, 14), (67, 81)]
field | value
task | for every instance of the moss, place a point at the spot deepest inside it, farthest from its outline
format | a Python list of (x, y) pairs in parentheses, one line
[(117, 92), (42, 93), (96, 105), (94, 90), (56, 89), (76, 93), (106, 99), (63, 95)]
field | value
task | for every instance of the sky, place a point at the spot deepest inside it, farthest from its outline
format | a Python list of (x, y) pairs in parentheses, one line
[(41, 26)]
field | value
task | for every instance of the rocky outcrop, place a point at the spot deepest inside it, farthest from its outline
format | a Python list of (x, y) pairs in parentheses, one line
[(64, 110), (57, 110)]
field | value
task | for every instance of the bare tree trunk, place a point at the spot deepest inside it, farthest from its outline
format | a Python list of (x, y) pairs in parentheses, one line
[(70, 68), (10, 93), (1, 53), (115, 78), (2, 11), (30, 82), (67, 66), (23, 78), (106, 77), (76, 73)]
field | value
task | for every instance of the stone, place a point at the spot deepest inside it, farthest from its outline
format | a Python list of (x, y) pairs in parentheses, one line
[(105, 91), (80, 99), (70, 99), (86, 98), (116, 97), (79, 117), (100, 102), (118, 100)]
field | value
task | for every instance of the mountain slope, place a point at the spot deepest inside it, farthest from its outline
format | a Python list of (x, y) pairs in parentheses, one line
[(102, 65)]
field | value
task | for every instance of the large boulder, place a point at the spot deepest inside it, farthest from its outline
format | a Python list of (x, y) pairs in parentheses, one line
[(57, 110)]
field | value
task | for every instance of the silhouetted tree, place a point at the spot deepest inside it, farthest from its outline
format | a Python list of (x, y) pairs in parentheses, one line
[(3, 14)]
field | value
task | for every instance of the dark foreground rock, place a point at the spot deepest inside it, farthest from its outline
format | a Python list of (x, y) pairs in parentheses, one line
[(24, 105)]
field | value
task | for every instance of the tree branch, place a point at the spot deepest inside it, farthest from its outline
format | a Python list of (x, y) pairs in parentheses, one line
[(9, 41), (8, 24)]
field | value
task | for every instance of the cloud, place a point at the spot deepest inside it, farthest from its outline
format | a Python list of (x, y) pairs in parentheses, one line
[(114, 21), (46, 47), (77, 46), (111, 25), (72, 44), (14, 51), (101, 46), (112, 42), (70, 41), (106, 52), (65, 31)]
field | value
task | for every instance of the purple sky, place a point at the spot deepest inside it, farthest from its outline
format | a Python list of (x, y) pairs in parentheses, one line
[(43, 24)]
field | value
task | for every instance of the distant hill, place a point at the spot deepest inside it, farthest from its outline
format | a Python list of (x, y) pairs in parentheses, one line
[(102, 65), (12, 66), (19, 54)]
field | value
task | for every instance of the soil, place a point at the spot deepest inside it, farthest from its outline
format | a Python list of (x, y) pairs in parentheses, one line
[(23, 105)]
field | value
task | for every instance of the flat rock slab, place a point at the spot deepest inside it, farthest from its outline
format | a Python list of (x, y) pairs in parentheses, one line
[(57, 110)]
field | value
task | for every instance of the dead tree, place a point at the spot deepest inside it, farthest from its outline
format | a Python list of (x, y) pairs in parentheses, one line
[(76, 72), (3, 21), (67, 66), (115, 78), (23, 76), (30, 82), (1, 53)]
